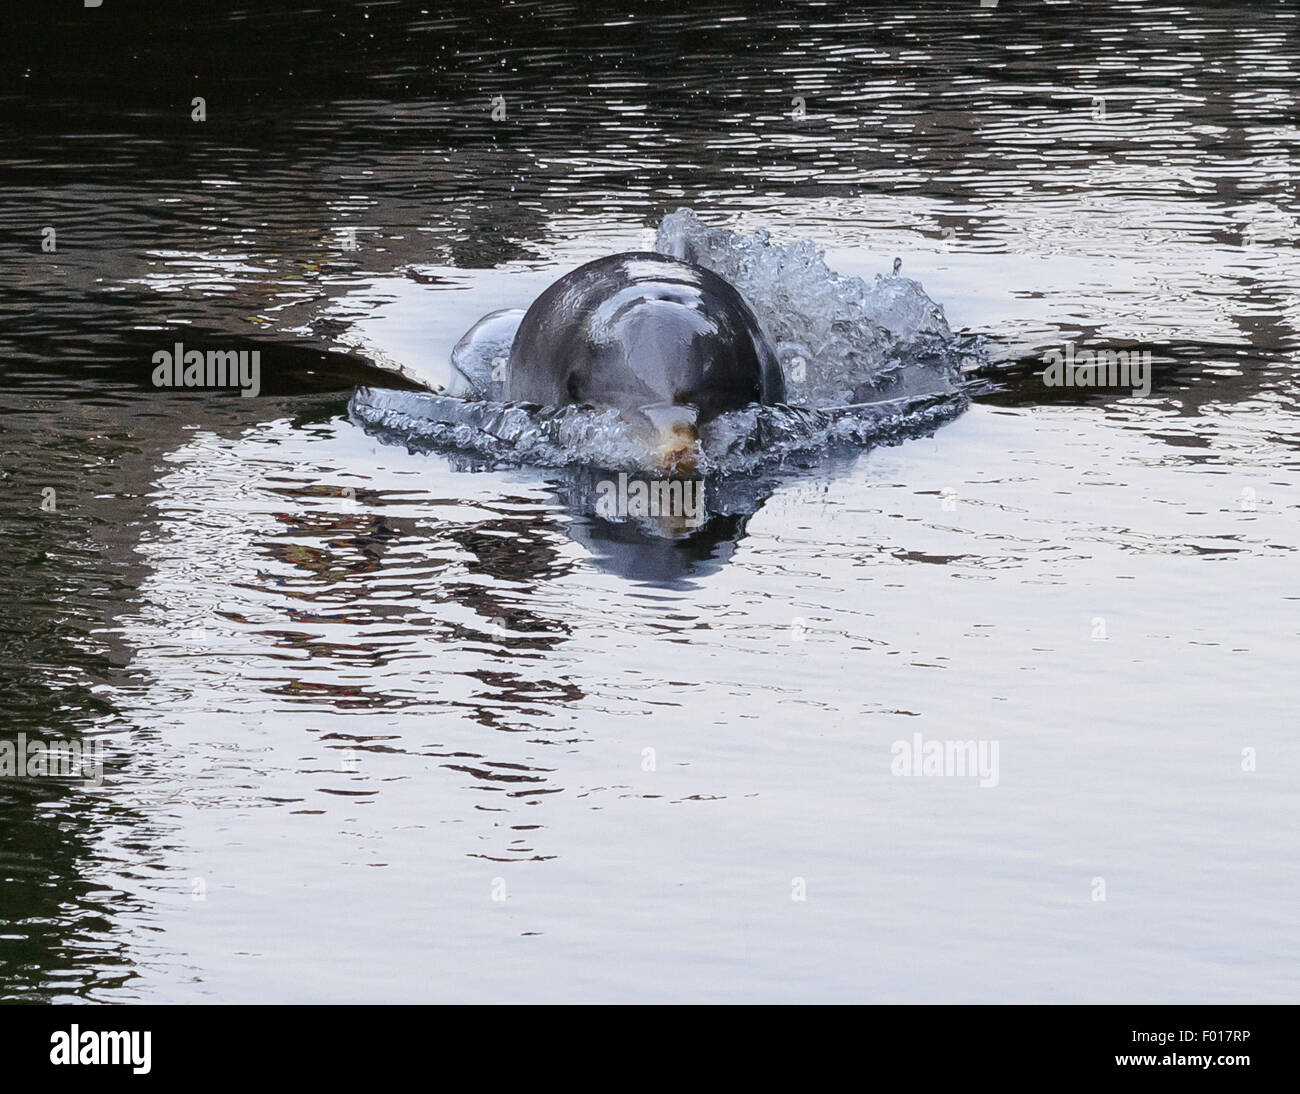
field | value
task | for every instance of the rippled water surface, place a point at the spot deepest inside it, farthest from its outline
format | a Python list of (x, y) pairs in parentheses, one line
[(386, 724)]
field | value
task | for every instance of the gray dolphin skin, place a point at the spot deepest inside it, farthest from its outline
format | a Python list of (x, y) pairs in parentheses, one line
[(668, 343)]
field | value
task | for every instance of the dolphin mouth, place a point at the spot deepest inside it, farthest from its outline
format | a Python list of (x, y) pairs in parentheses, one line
[(674, 435)]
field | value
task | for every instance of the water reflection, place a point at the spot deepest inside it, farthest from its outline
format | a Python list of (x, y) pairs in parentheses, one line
[(667, 549), (314, 655)]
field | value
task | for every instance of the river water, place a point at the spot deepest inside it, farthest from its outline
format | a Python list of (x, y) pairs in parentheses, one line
[(391, 725)]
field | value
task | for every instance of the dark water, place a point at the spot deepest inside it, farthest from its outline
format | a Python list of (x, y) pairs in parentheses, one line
[(382, 726)]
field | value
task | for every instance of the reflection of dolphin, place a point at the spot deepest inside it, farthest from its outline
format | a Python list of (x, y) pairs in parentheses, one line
[(668, 344), (632, 553), (662, 548)]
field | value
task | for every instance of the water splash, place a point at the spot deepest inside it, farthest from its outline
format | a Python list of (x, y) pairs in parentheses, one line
[(840, 339), (745, 441)]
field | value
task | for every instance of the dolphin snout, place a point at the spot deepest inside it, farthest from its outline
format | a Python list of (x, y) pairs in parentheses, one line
[(674, 435)]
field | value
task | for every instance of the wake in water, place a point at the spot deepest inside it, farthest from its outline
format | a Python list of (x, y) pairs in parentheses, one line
[(865, 363), (755, 439)]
